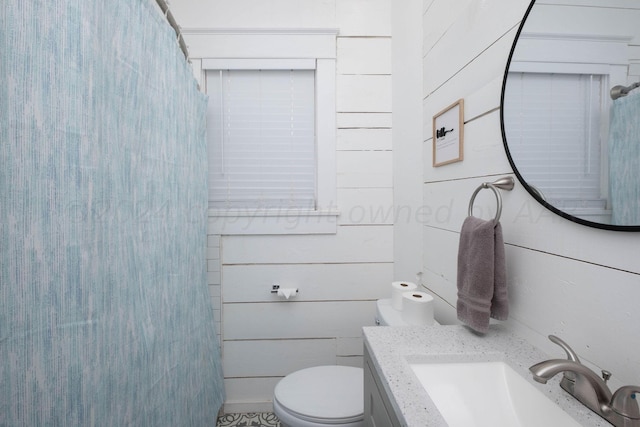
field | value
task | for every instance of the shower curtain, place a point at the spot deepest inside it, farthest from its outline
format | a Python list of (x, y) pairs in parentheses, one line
[(105, 315), (624, 160)]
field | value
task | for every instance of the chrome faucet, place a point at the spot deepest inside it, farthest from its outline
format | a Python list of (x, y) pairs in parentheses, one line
[(620, 408)]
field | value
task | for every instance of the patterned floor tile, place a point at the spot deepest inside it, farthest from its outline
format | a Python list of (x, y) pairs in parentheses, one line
[(264, 419)]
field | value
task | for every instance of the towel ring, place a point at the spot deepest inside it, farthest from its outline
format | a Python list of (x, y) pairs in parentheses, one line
[(505, 183)]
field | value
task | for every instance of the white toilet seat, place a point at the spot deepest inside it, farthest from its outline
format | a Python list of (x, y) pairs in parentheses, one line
[(321, 396), (296, 420)]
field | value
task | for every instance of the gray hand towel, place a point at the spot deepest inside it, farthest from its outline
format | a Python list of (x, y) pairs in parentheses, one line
[(482, 285)]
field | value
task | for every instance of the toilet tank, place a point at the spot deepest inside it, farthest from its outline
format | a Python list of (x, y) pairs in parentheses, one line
[(386, 315)]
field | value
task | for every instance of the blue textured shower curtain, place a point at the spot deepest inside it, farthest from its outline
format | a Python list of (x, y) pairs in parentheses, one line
[(624, 160), (105, 315)]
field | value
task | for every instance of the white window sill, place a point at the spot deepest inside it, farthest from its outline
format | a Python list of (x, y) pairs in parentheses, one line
[(272, 221)]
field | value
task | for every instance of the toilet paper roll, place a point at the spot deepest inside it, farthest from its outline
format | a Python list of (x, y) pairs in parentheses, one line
[(417, 308), (397, 289), (287, 292)]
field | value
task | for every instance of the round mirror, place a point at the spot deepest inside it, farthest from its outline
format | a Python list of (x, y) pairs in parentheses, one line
[(570, 116)]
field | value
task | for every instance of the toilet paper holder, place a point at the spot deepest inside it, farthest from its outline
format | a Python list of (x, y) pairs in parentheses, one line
[(274, 289)]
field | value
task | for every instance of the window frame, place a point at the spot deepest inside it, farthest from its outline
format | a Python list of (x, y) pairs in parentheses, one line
[(280, 55)]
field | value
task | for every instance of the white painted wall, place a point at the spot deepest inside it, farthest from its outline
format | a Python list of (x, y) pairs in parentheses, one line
[(407, 139), (339, 275), (579, 283)]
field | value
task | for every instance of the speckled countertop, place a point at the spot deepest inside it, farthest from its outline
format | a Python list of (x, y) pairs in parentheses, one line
[(392, 349)]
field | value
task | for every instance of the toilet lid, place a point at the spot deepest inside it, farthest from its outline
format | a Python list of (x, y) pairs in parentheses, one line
[(334, 393)]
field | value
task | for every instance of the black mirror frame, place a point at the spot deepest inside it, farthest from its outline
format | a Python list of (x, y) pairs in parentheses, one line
[(529, 189)]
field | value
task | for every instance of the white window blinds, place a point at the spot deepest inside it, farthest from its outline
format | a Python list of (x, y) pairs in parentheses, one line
[(261, 139), (553, 128)]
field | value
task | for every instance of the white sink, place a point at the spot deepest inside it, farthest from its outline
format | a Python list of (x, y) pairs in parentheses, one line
[(488, 394)]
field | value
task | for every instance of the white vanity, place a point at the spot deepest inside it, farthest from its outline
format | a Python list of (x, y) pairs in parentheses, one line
[(395, 395)]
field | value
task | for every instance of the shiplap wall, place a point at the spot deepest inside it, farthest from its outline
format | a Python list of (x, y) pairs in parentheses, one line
[(579, 283), (339, 275)]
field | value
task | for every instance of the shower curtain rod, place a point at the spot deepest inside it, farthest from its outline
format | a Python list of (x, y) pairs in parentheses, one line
[(164, 6), (619, 91)]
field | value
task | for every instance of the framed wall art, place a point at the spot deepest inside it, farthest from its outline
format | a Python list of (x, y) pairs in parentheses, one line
[(448, 134)]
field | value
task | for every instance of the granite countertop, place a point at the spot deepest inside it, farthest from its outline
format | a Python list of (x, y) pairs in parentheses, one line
[(392, 349)]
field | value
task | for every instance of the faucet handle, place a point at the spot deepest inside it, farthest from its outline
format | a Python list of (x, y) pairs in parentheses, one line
[(571, 355), (568, 378), (624, 401)]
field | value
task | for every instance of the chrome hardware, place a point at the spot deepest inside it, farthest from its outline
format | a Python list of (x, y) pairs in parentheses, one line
[(571, 355), (624, 402), (620, 408), (569, 378), (504, 183), (620, 91)]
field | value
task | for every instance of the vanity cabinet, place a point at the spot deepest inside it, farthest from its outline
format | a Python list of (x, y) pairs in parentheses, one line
[(378, 411)]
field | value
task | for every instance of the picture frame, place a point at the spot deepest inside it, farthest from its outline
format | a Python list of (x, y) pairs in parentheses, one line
[(448, 135)]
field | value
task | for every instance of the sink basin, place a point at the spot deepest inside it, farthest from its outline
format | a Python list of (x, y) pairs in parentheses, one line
[(488, 394)]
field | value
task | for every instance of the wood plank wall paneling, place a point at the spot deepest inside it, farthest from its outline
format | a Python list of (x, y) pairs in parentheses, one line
[(360, 55), (249, 394), (373, 139), (276, 357), (367, 18), (465, 48), (214, 279), (254, 14), (355, 120), (363, 93), (365, 169), (317, 282), (476, 27), (350, 245), (263, 336), (297, 320), (584, 280), (362, 206)]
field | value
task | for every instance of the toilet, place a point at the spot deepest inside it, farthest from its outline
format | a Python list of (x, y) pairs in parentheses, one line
[(321, 396), (328, 395)]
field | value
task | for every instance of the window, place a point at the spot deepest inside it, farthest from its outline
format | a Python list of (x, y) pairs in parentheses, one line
[(577, 74), (555, 128), (261, 139), (271, 129)]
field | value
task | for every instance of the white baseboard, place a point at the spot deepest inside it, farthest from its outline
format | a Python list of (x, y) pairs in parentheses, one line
[(245, 407)]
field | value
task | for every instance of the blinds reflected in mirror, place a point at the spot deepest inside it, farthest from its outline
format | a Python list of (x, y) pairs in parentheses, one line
[(554, 125)]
